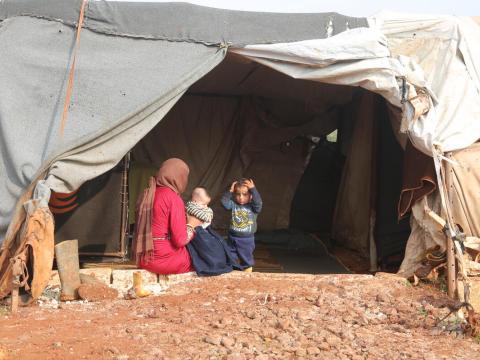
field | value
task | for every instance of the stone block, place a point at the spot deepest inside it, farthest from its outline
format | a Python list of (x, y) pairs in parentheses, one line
[(168, 280), (104, 274), (123, 279)]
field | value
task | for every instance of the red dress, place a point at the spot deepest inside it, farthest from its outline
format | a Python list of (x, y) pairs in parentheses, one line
[(170, 256)]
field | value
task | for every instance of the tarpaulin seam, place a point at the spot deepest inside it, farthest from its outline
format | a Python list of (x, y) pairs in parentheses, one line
[(168, 38)]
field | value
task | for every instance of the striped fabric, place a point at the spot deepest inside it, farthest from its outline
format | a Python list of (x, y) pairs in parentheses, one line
[(201, 212)]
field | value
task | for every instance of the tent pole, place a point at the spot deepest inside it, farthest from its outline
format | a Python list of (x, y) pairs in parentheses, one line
[(124, 200), (450, 228), (373, 245)]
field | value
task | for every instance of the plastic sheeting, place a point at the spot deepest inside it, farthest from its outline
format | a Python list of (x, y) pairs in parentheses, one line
[(364, 62), (438, 55), (446, 49), (355, 44)]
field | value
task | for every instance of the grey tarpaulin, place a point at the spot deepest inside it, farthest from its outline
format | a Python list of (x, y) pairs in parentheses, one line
[(122, 88)]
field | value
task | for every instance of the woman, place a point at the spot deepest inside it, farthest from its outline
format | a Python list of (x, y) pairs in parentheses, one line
[(161, 230)]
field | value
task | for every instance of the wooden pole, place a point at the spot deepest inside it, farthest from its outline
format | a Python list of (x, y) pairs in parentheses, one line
[(451, 277)]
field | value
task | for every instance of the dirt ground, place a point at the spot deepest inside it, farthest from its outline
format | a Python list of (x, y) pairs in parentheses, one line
[(247, 316)]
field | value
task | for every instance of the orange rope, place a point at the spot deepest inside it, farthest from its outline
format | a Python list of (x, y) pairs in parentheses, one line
[(72, 69)]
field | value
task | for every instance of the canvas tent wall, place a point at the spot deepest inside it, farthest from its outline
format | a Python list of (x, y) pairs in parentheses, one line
[(130, 72)]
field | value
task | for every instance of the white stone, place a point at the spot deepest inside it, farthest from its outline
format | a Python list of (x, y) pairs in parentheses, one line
[(104, 274)]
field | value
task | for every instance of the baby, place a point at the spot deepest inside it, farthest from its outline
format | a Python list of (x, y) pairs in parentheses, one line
[(197, 206)]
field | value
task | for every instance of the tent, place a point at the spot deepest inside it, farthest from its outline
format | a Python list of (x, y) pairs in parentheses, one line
[(235, 94)]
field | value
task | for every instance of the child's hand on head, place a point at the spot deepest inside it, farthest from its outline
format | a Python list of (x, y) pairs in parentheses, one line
[(232, 187), (249, 183)]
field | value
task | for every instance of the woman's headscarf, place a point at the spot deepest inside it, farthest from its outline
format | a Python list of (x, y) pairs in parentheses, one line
[(173, 173)]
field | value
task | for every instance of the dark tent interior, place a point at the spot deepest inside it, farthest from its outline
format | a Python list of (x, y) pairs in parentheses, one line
[(324, 158)]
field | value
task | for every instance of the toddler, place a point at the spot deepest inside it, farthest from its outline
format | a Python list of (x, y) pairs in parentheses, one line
[(245, 202)]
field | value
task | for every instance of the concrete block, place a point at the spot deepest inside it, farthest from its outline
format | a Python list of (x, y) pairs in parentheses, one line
[(168, 280), (179, 278), (103, 274)]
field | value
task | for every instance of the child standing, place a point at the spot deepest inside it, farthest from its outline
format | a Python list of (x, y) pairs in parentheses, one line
[(245, 202)]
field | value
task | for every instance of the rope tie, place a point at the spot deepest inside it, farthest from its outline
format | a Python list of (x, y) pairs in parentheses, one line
[(68, 95)]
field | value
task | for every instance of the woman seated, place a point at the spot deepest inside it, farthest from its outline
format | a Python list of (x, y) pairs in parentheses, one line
[(161, 232), (164, 243)]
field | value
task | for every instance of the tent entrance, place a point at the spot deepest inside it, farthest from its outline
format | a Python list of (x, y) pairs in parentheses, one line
[(349, 191), (245, 120)]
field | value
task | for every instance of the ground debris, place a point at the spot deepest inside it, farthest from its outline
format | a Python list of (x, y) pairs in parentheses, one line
[(255, 316)]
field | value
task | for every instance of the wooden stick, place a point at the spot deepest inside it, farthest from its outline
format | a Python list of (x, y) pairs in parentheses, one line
[(437, 219)]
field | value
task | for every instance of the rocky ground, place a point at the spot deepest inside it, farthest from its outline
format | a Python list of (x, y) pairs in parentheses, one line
[(247, 316)]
